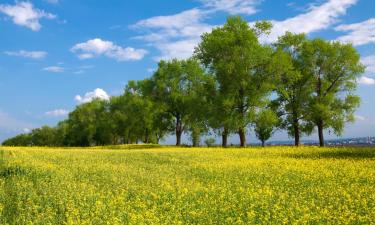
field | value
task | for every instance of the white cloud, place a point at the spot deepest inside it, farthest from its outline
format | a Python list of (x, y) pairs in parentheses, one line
[(358, 33), (178, 21), (360, 118), (52, 1), (26, 130), (315, 19), (233, 6), (97, 47), (28, 54), (175, 36), (54, 69), (369, 62), (89, 96), (57, 113), (366, 80), (24, 14), (177, 49)]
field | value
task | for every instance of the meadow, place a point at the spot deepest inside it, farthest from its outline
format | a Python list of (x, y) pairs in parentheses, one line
[(166, 185)]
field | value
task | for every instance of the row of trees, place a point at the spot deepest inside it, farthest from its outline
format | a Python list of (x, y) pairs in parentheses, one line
[(232, 82)]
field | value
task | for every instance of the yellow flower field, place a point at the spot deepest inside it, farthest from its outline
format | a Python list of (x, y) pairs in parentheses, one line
[(276, 185)]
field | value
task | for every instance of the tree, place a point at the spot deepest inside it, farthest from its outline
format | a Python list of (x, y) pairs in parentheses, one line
[(118, 108), (18, 140), (174, 87), (293, 87), (44, 136), (162, 121), (143, 113), (334, 68), (219, 113), (265, 123), (62, 130), (235, 57), (84, 124)]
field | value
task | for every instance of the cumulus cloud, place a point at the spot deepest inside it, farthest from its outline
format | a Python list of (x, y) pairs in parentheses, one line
[(175, 35), (315, 19), (97, 47), (247, 7), (24, 14), (179, 20), (369, 62), (27, 54), (358, 33), (89, 96), (57, 113), (54, 69), (366, 80)]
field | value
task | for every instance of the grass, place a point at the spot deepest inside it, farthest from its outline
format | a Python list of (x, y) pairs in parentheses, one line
[(132, 185)]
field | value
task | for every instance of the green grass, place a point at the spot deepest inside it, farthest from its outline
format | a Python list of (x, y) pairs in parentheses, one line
[(133, 185)]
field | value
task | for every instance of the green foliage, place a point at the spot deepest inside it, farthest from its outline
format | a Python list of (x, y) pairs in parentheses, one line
[(210, 141), (265, 123), (334, 69), (293, 87), (238, 61), (177, 87), (19, 140)]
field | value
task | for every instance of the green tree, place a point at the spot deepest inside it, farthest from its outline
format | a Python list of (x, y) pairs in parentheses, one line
[(334, 68), (174, 88), (238, 61), (118, 108), (142, 112), (265, 123), (62, 130), (19, 140), (293, 85), (85, 124), (44, 136), (219, 113)]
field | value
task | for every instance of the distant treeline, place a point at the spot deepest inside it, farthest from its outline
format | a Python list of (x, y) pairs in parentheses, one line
[(232, 82)]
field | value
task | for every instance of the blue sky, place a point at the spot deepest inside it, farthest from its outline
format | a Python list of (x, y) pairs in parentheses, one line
[(55, 54)]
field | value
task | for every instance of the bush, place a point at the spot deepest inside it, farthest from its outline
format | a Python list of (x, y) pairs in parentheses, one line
[(210, 141)]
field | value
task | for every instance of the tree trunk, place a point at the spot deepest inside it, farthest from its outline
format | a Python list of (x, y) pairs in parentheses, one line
[(178, 139), (178, 131), (195, 137), (241, 133), (320, 121), (296, 133), (157, 139), (147, 139), (224, 136), (320, 132), (263, 143)]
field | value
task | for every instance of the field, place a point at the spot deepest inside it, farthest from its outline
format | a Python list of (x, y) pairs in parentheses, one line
[(274, 185)]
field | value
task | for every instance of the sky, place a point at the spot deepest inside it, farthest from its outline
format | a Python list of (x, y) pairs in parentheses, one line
[(56, 54)]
